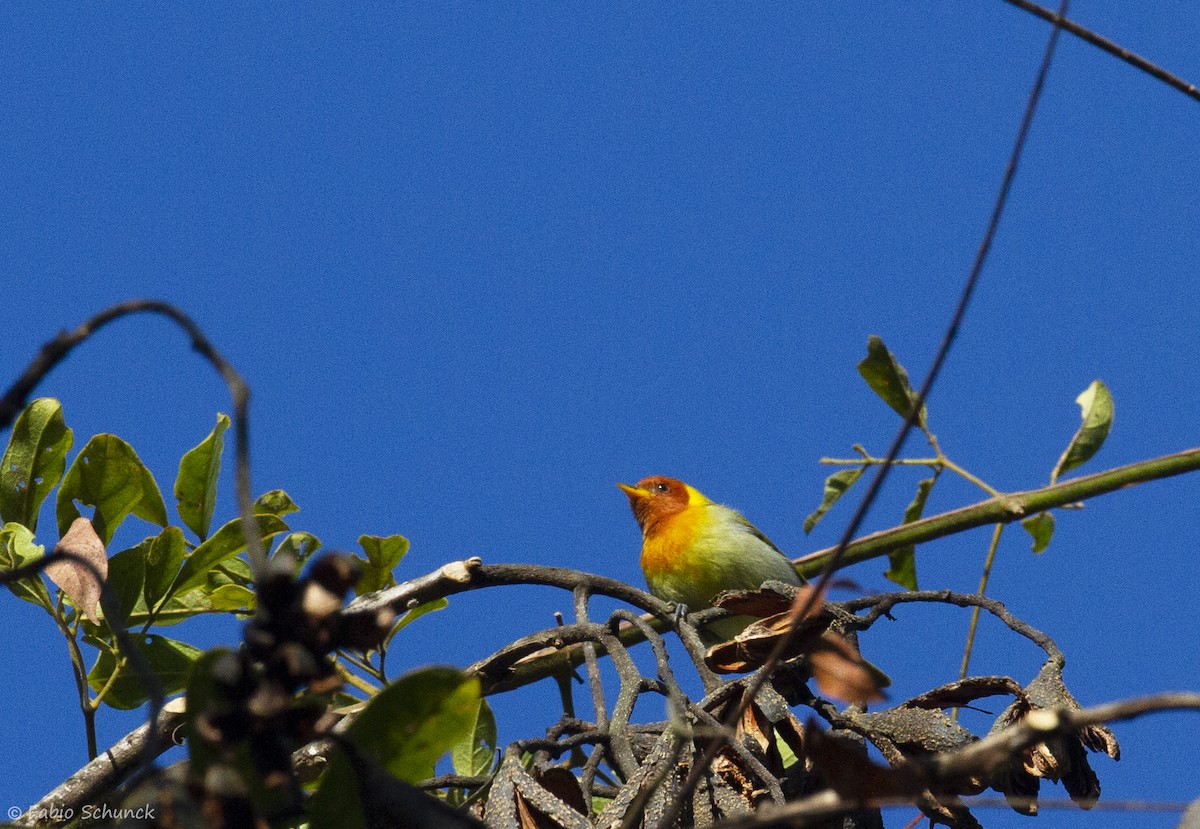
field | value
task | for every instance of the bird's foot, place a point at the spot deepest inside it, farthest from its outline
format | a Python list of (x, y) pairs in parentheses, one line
[(681, 612)]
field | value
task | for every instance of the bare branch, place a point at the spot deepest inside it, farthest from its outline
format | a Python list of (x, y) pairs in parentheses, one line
[(882, 604), (1115, 49)]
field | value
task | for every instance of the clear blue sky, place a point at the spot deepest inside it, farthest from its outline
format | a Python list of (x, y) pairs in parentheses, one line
[(479, 263)]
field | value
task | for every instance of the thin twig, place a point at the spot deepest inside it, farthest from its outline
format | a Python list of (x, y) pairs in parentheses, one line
[(595, 682), (1114, 49), (988, 560), (56, 350)]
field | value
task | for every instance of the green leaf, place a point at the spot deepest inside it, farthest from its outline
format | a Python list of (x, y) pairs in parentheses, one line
[(16, 550), (163, 560), (475, 753), (230, 571), (108, 475), (835, 487), (232, 597), (196, 484), (224, 543), (169, 659), (383, 554), (1041, 527), (299, 545), (126, 579), (888, 379), (406, 727), (1096, 406), (276, 502), (174, 610), (903, 561), (415, 613), (34, 461)]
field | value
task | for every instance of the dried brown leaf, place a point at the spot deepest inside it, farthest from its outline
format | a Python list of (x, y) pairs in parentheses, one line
[(530, 818), (755, 725), (728, 767), (765, 602), (1101, 738), (846, 768), (76, 578), (756, 603), (842, 673), (751, 648), (563, 785)]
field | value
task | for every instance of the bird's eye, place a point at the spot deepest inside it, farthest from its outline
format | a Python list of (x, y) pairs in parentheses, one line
[(661, 487)]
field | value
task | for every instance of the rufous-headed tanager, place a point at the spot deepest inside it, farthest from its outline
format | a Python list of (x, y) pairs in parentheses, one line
[(693, 548)]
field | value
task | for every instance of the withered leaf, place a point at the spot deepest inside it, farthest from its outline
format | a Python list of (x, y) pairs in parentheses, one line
[(1100, 738), (563, 785), (82, 575), (751, 648), (530, 818), (765, 602), (849, 772), (757, 603), (842, 673), (755, 725), (516, 794), (965, 691)]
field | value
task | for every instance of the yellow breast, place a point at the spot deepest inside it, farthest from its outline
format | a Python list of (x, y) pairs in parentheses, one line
[(665, 549)]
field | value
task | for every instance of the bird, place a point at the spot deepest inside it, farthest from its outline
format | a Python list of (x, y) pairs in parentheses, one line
[(694, 548)]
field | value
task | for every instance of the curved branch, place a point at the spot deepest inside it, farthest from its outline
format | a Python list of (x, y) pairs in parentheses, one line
[(56, 350), (881, 605)]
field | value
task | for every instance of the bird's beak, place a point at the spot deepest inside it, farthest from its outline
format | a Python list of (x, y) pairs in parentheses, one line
[(634, 493)]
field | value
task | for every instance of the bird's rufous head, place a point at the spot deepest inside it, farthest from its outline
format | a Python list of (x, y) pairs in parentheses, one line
[(657, 498)]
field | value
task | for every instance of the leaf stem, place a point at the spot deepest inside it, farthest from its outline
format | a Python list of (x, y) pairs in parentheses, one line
[(354, 679), (938, 463), (79, 669), (118, 666)]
